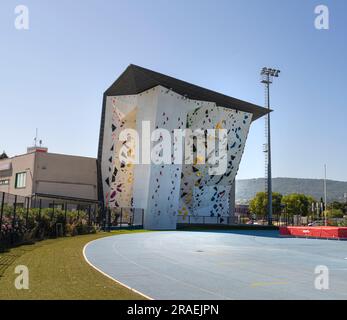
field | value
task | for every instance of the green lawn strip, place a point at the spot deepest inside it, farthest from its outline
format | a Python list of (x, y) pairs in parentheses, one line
[(57, 270)]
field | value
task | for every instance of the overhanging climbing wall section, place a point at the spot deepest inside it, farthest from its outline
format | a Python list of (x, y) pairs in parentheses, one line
[(202, 192)]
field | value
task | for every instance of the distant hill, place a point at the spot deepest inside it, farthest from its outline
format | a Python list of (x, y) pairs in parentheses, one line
[(246, 189)]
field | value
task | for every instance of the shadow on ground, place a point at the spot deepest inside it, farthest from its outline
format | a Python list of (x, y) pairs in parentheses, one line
[(254, 233)]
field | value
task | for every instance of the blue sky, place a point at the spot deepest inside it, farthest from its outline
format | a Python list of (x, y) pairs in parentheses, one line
[(52, 76)]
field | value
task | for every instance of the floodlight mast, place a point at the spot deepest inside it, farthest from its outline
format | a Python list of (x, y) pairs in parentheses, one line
[(267, 75)]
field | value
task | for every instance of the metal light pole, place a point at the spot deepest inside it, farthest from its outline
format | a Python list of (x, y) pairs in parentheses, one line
[(267, 78)]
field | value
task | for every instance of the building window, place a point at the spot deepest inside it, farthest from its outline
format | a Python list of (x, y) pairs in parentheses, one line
[(21, 180), (4, 182)]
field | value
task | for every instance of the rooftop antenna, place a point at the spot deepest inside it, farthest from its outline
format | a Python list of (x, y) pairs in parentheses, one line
[(36, 137), (37, 147), (267, 76)]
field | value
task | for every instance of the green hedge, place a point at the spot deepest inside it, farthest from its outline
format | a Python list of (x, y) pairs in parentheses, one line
[(38, 225)]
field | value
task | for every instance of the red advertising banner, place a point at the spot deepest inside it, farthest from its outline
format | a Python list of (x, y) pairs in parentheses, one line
[(315, 232)]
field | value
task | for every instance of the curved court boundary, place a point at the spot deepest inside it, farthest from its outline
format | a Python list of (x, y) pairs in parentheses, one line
[(110, 277), (179, 265)]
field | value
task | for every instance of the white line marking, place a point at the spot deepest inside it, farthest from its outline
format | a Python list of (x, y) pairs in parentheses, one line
[(108, 276)]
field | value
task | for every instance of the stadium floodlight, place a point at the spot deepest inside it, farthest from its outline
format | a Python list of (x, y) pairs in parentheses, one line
[(267, 77), (263, 71), (269, 73)]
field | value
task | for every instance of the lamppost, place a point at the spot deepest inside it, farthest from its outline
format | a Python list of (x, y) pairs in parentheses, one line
[(267, 75)]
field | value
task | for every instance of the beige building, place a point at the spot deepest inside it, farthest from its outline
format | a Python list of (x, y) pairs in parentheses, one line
[(50, 175)]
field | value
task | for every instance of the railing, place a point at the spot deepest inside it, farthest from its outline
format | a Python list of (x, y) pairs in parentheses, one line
[(249, 219), (24, 219), (190, 219), (14, 216), (118, 218)]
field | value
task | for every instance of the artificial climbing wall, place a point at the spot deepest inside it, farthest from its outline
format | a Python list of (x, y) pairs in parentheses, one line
[(203, 193), (118, 177), (165, 190), (170, 112)]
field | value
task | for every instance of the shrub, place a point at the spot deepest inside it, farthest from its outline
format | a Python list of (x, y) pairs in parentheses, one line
[(343, 223), (37, 225)]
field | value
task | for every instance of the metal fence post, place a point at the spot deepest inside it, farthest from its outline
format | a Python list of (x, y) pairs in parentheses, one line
[(53, 211), (121, 218), (14, 212), (104, 217), (89, 215), (14, 217), (27, 213), (33, 201), (132, 219), (2, 210), (143, 217), (65, 213), (40, 206)]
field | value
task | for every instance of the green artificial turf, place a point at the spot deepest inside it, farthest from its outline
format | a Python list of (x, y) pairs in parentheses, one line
[(57, 270)]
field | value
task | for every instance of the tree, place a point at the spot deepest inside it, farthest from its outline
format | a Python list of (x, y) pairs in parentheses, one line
[(259, 203), (297, 204), (337, 205), (334, 213)]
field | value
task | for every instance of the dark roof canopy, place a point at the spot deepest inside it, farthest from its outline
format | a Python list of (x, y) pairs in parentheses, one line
[(136, 79)]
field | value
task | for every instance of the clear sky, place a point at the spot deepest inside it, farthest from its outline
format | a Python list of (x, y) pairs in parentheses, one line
[(53, 75)]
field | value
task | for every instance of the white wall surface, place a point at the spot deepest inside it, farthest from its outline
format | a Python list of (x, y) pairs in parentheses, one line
[(166, 190)]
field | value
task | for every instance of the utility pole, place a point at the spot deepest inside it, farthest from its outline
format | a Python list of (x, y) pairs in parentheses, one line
[(267, 78)]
